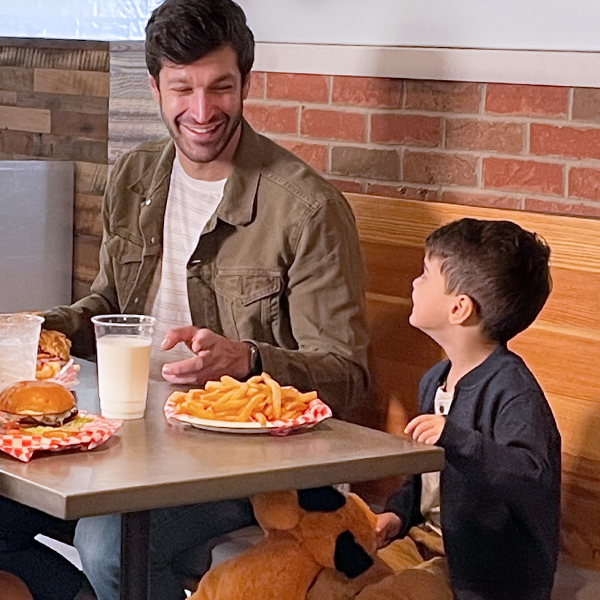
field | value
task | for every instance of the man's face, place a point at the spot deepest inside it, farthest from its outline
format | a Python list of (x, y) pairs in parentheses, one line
[(431, 304), (201, 104)]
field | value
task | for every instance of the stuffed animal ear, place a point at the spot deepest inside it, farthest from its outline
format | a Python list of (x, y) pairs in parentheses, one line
[(277, 510), (322, 499), (350, 558)]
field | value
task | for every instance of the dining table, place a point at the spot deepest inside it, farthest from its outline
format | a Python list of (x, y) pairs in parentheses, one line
[(154, 462)]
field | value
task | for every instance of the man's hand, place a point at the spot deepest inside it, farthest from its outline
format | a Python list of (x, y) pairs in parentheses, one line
[(215, 356), (426, 428), (387, 528)]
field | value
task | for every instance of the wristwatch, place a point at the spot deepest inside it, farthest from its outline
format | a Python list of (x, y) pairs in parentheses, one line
[(255, 360)]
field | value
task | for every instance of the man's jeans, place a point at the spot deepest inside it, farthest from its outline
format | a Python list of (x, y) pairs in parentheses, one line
[(173, 532)]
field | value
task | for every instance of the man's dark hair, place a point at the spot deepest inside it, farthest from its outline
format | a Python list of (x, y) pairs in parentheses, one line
[(183, 31), (500, 266)]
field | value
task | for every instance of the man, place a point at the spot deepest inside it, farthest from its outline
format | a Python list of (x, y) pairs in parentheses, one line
[(240, 250)]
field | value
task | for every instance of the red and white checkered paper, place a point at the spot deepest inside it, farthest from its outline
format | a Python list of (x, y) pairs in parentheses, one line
[(67, 376), (92, 434), (316, 412)]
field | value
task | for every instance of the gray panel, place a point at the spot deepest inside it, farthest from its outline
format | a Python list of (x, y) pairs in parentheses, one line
[(36, 234)]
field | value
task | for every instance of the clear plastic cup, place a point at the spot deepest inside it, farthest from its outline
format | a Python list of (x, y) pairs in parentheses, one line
[(19, 337), (123, 347)]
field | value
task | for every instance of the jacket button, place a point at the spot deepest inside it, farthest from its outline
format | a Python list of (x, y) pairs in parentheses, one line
[(136, 301), (148, 201), (152, 240)]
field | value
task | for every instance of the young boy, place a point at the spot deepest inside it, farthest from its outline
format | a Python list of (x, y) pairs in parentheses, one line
[(486, 528)]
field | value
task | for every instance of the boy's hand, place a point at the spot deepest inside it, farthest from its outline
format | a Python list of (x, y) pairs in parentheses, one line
[(426, 428), (387, 528)]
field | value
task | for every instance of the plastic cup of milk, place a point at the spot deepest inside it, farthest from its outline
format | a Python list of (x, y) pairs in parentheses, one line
[(19, 337), (123, 352)]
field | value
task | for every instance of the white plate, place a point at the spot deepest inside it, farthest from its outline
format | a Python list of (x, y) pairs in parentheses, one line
[(233, 427)]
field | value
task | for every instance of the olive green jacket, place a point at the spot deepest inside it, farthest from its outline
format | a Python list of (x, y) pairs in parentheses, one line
[(278, 263)]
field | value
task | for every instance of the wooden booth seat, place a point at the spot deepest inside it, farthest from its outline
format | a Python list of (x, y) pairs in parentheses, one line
[(562, 347)]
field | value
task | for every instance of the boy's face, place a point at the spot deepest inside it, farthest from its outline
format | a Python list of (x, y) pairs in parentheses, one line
[(431, 305)]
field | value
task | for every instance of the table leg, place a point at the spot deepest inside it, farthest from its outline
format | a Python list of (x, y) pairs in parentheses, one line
[(135, 541)]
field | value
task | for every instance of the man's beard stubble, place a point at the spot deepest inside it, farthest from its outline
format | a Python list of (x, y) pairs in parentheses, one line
[(230, 130)]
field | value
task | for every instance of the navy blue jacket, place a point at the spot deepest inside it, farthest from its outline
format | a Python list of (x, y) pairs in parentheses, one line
[(500, 488)]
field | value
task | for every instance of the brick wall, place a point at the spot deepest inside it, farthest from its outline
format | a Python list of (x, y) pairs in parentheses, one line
[(513, 146), (54, 106)]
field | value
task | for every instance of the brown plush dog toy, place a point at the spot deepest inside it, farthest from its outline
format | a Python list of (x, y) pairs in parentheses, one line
[(307, 533)]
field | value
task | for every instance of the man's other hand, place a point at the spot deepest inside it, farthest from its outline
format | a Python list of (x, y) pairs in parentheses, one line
[(215, 356)]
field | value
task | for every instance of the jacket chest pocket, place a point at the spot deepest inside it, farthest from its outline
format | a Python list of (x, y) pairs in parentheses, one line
[(248, 302), (126, 261)]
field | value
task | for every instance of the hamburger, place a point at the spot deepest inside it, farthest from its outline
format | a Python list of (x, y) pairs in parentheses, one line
[(36, 404), (54, 351)]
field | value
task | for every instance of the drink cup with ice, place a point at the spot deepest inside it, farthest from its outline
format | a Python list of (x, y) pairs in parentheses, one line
[(19, 337)]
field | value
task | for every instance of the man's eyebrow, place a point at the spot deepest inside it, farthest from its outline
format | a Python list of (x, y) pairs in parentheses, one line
[(177, 79), (223, 78)]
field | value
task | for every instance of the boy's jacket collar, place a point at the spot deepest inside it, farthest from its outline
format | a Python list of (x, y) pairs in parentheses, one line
[(487, 367)]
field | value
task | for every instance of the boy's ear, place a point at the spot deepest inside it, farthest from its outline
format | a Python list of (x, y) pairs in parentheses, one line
[(461, 310)]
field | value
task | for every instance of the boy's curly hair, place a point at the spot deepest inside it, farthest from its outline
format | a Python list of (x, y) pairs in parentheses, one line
[(500, 266)]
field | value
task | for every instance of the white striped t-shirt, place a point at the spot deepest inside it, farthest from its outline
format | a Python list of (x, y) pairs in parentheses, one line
[(190, 204)]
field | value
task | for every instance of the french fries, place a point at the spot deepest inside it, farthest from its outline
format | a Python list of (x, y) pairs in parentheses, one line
[(260, 399)]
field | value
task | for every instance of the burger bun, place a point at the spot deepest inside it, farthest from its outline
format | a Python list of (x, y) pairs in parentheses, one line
[(42, 402)]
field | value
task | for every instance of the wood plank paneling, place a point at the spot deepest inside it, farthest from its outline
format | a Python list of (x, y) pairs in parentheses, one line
[(35, 120), (87, 215), (16, 79), (575, 242), (134, 117), (59, 81), (85, 259), (561, 362), (575, 299), (33, 56), (89, 105), (68, 148), (54, 105), (80, 125), (393, 338), (392, 268), (90, 178), (17, 144), (9, 98)]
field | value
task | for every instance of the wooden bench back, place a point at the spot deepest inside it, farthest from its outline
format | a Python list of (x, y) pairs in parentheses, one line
[(562, 347)]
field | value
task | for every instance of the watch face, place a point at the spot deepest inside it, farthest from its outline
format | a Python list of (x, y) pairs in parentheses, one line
[(254, 358)]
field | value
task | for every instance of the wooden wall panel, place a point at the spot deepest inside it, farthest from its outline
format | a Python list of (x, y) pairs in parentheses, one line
[(392, 268), (575, 299), (61, 81), (575, 242), (54, 106), (563, 363)]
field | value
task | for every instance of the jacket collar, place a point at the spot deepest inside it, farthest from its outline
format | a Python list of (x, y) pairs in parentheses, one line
[(154, 176), (237, 206), (479, 373)]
